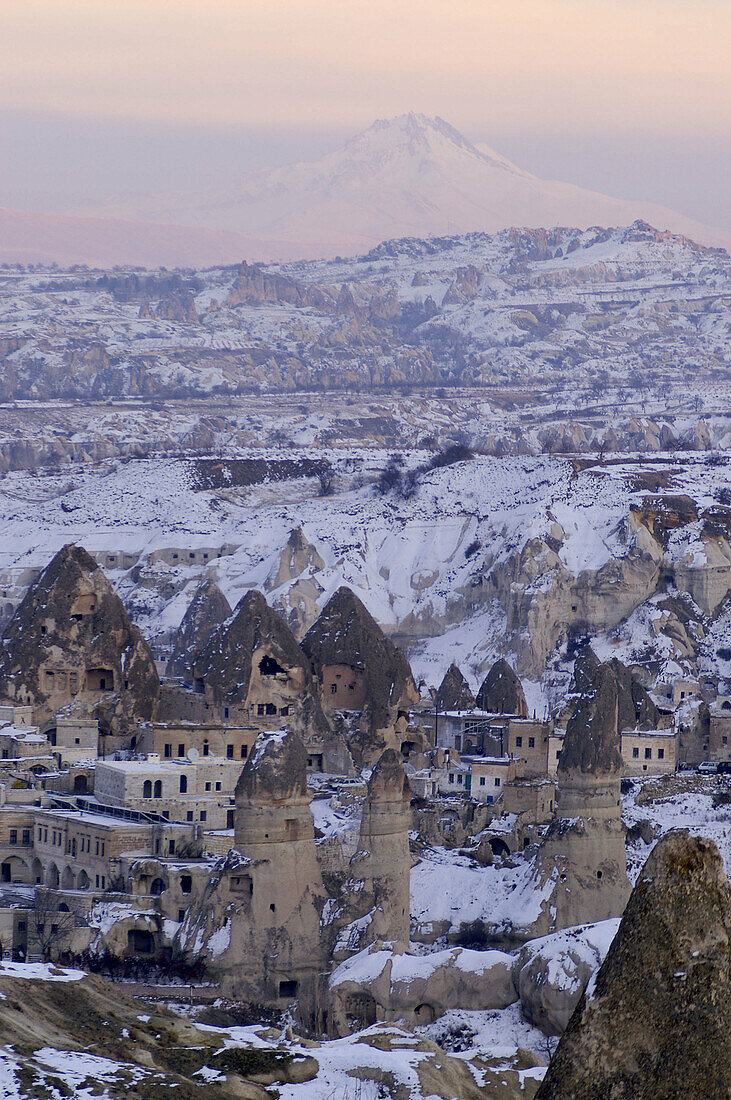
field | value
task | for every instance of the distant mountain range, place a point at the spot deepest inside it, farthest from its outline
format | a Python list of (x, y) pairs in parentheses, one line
[(410, 176)]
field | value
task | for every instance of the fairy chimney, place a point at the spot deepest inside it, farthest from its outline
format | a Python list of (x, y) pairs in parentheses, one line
[(383, 860), (206, 611), (71, 643), (583, 852), (275, 950)]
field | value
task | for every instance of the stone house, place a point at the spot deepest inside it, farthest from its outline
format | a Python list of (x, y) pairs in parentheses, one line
[(175, 740), (533, 799), (195, 791), (23, 743), (75, 849), (489, 776), (74, 739), (526, 740), (649, 752)]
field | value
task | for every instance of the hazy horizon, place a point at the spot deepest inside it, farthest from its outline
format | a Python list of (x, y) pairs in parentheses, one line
[(99, 99)]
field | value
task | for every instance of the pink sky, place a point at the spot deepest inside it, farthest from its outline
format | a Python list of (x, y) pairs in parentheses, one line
[(640, 64), (99, 97)]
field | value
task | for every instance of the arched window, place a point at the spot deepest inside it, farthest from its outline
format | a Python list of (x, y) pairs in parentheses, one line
[(158, 788), (147, 789), (157, 887), (183, 784)]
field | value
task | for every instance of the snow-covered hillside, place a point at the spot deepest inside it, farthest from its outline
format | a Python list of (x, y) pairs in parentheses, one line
[(570, 311)]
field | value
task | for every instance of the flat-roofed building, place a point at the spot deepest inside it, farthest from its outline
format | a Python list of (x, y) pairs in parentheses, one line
[(489, 776), (174, 740), (719, 733), (649, 752)]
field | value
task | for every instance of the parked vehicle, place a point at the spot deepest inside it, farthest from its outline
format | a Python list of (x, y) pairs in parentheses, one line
[(708, 767)]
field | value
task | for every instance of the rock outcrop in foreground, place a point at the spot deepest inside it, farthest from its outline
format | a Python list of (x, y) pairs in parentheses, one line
[(657, 1025)]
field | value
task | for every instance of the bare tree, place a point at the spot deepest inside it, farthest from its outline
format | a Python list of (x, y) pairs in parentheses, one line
[(51, 926), (326, 478)]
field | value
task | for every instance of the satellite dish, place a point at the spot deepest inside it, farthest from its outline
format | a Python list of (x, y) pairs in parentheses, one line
[(193, 754)]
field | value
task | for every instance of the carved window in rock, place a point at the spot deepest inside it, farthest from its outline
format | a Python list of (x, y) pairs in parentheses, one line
[(269, 666), (99, 679), (242, 884), (291, 828)]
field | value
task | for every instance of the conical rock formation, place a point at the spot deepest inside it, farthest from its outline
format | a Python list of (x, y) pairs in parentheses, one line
[(502, 692), (254, 660), (71, 642), (454, 692), (206, 611), (657, 1023), (349, 652), (581, 866)]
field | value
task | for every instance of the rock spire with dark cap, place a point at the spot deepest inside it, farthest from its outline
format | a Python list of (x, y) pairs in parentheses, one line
[(657, 1023), (592, 736), (635, 708), (454, 692), (502, 692), (275, 769), (347, 634), (226, 661), (206, 611)]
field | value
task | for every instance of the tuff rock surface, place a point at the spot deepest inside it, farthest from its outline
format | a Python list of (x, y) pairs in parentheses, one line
[(72, 643), (347, 636), (657, 1023), (454, 692)]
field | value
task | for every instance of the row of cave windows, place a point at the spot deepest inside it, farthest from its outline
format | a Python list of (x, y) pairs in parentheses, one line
[(648, 754), (206, 749), (97, 679)]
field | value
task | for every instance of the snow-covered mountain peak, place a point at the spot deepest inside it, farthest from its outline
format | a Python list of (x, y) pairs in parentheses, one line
[(423, 140)]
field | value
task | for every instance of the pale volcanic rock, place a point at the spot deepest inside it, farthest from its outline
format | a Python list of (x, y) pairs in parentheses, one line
[(254, 658), (346, 637), (582, 860)]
